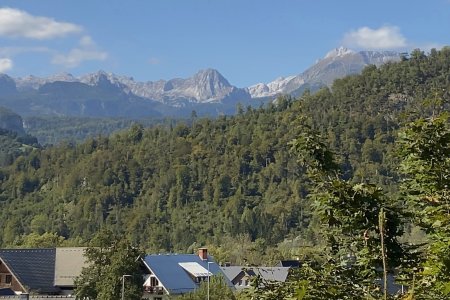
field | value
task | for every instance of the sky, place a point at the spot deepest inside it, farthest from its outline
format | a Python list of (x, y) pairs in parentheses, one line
[(247, 41)]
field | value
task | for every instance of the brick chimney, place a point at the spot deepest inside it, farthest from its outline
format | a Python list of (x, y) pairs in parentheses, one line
[(203, 253)]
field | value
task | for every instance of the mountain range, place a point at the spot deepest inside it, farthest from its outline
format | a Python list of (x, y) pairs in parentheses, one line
[(207, 92)]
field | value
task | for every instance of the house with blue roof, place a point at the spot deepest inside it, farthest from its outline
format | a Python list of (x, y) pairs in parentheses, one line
[(171, 275)]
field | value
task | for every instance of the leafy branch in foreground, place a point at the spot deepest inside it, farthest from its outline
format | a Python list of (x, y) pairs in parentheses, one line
[(425, 152), (349, 215)]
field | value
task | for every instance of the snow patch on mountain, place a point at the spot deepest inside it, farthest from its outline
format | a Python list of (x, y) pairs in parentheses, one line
[(278, 86), (338, 52)]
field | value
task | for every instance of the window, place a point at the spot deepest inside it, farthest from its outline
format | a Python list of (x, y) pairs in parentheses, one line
[(8, 279), (153, 281)]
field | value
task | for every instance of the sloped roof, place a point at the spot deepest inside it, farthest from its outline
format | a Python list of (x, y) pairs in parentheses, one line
[(232, 271), (175, 279), (68, 264), (267, 273), (33, 268), (273, 273)]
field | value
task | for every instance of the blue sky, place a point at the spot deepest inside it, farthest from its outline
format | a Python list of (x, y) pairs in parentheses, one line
[(248, 41)]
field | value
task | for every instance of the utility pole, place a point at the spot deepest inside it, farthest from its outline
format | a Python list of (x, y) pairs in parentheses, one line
[(382, 220), (123, 285), (209, 262)]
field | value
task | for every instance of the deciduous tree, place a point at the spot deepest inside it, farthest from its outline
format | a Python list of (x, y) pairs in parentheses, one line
[(111, 262)]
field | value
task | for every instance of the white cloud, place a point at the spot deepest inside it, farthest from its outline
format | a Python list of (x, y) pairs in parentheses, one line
[(87, 50), (86, 41), (76, 56), (386, 37), (6, 64), (18, 23)]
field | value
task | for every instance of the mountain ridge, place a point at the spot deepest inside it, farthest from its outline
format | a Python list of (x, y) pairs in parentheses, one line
[(206, 85), (207, 91), (337, 63)]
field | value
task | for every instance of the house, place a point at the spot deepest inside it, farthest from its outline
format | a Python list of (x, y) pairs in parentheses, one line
[(170, 275), (28, 270), (241, 277), (52, 271), (48, 271)]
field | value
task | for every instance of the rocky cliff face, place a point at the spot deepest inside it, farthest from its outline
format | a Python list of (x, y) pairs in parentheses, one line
[(11, 121), (7, 85), (206, 86)]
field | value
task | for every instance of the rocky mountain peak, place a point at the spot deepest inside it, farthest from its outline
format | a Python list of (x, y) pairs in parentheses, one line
[(94, 78), (208, 84), (212, 77), (64, 76), (339, 52), (106, 80), (337, 63), (7, 85)]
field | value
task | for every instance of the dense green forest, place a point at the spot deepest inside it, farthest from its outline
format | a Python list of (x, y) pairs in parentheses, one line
[(13, 139), (13, 145), (231, 183), (52, 130)]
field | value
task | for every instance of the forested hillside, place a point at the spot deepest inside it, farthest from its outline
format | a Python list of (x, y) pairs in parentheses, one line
[(52, 130), (227, 181), (13, 140), (13, 145)]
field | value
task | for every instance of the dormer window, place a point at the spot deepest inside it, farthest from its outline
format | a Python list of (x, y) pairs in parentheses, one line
[(197, 272)]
